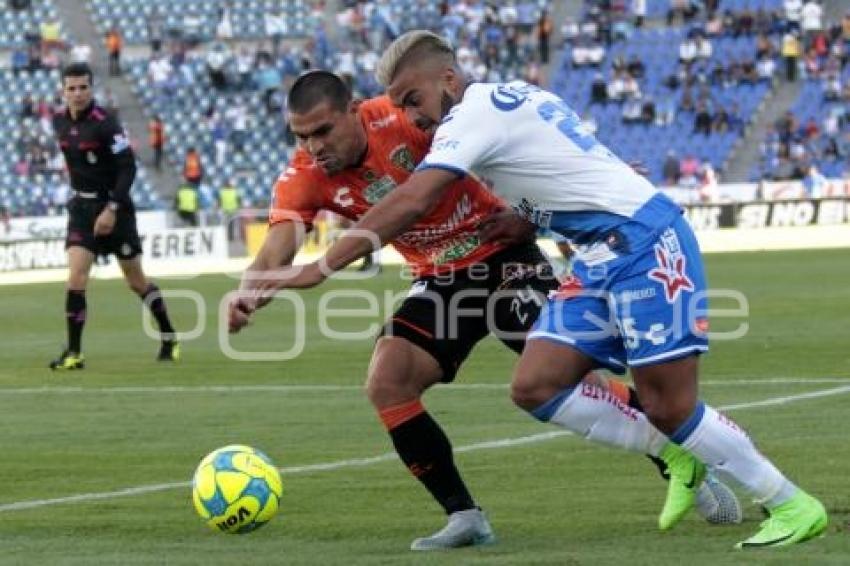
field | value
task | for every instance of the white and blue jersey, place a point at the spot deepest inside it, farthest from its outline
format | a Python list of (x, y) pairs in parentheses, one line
[(637, 295)]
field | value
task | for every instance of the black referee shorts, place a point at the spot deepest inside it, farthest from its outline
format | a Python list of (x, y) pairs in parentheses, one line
[(124, 240), (448, 315)]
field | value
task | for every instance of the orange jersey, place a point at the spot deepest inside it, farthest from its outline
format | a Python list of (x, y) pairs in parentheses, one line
[(445, 239)]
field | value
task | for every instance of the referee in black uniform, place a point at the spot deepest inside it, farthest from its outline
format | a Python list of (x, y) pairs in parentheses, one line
[(101, 216)]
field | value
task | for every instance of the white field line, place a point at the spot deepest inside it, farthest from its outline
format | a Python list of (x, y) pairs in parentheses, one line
[(295, 388), (360, 462)]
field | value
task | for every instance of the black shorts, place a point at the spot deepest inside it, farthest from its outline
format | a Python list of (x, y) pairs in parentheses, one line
[(124, 240), (448, 315)]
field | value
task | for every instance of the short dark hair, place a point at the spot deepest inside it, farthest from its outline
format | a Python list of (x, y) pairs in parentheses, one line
[(77, 70), (314, 87)]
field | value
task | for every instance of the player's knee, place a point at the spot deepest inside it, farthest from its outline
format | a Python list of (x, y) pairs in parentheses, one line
[(666, 414), (527, 392), (385, 388)]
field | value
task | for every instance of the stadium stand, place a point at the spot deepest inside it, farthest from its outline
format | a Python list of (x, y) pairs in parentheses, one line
[(18, 25), (674, 84), (812, 140), (685, 92), (238, 128), (202, 20)]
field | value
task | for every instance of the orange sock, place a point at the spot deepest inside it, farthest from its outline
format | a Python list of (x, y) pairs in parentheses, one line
[(399, 414), (619, 390)]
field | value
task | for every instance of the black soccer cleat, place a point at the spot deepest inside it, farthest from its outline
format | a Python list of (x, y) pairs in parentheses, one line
[(68, 361), (169, 351)]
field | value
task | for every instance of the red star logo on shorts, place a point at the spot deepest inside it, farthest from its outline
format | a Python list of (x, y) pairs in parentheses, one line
[(671, 273)]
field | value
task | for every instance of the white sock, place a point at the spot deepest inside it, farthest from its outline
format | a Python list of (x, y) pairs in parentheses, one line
[(726, 449), (599, 416)]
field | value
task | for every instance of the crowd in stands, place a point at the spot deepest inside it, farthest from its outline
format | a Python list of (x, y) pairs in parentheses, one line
[(812, 140), (677, 97), (706, 74), (496, 41)]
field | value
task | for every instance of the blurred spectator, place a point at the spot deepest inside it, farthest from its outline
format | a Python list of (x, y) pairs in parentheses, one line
[(791, 54), (237, 118), (156, 139), (229, 201), (218, 56), (814, 183), (156, 30), (19, 4), (702, 120), (793, 13), (688, 170), (20, 61), (639, 12), (80, 53), (114, 44), (275, 28), (670, 168), (186, 203), (811, 19), (544, 35), (598, 90), (224, 25), (50, 31), (193, 171)]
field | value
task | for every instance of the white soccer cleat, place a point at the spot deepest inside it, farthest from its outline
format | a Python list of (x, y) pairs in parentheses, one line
[(718, 504), (465, 528)]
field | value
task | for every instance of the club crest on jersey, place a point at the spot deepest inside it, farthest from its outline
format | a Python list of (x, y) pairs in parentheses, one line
[(402, 158), (672, 266), (91, 157), (379, 189)]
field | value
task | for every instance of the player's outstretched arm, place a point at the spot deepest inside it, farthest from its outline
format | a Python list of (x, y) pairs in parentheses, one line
[(278, 251), (391, 217)]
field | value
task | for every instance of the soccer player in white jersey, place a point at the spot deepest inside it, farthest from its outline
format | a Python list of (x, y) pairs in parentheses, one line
[(636, 298)]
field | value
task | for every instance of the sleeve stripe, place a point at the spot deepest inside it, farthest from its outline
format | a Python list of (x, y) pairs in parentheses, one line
[(450, 168)]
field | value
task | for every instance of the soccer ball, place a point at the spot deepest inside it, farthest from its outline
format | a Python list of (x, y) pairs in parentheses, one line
[(236, 489)]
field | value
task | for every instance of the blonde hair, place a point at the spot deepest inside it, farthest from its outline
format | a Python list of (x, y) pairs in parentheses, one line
[(402, 51)]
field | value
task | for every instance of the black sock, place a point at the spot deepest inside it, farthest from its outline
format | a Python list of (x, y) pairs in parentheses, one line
[(75, 314), (634, 403), (153, 298), (425, 450)]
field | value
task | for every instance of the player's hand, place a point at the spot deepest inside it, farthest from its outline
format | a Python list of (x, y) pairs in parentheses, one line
[(104, 223), (506, 227), (295, 277), (239, 313)]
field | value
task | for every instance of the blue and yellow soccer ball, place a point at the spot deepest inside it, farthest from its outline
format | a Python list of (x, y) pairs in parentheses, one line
[(236, 489)]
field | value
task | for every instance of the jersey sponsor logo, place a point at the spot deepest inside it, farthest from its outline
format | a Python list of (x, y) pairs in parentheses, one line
[(672, 266), (507, 98), (382, 123), (637, 294), (457, 249), (120, 142), (441, 144), (343, 197), (379, 189), (402, 158)]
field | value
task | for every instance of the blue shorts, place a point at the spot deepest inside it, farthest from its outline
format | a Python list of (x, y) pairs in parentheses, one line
[(636, 298)]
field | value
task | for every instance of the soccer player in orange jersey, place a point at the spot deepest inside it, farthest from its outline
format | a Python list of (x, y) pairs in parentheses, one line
[(352, 154)]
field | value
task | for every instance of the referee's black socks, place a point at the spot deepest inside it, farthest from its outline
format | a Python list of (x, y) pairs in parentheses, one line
[(153, 299), (75, 313)]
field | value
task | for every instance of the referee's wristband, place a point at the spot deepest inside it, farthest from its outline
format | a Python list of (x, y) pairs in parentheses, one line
[(113, 206)]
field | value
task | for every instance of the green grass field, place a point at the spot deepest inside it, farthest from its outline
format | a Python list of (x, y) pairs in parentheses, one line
[(128, 422)]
